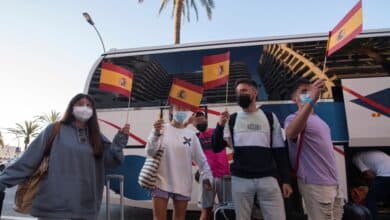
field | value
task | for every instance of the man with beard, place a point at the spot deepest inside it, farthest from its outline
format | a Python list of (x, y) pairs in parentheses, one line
[(260, 156)]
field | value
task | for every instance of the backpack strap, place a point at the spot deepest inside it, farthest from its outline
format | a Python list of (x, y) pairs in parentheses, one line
[(53, 134), (270, 119), (232, 122), (299, 150)]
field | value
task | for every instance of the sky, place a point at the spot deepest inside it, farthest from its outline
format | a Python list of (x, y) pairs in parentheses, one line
[(47, 48)]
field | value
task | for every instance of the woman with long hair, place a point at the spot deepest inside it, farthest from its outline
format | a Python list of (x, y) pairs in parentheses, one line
[(79, 155), (174, 176)]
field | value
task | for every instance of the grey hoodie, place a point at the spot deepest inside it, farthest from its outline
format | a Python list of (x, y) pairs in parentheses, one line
[(73, 187)]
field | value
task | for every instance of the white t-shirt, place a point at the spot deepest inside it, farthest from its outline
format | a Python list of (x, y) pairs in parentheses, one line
[(377, 161), (182, 146)]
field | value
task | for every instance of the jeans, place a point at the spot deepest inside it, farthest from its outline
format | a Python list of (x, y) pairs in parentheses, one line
[(378, 191), (268, 194), (322, 202)]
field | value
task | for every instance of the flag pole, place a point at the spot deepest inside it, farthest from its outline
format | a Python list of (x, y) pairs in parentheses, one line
[(128, 108), (227, 92)]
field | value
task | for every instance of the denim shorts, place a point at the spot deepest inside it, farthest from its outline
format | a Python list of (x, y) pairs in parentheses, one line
[(159, 193)]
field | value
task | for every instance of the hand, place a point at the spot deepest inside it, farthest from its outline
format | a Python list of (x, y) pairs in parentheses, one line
[(223, 118), (190, 120), (126, 129), (207, 185), (158, 126), (369, 175), (287, 190), (316, 88)]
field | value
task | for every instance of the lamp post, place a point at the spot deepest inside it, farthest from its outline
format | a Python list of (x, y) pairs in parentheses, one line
[(90, 21)]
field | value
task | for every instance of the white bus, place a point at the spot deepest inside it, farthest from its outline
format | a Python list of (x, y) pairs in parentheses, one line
[(358, 117)]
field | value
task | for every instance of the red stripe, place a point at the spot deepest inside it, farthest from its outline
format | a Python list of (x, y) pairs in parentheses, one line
[(343, 42), (114, 89), (348, 16), (367, 100), (215, 83), (109, 66), (209, 111), (188, 85), (213, 59), (338, 150), (177, 102), (130, 134)]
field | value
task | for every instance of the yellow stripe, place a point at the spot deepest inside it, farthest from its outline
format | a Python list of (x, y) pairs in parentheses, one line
[(348, 28), (190, 97), (212, 72), (113, 78)]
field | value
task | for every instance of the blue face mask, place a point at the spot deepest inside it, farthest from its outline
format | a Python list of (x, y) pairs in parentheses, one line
[(180, 116), (305, 98)]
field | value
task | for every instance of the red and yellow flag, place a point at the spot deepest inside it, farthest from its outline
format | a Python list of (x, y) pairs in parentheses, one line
[(185, 94), (116, 79), (350, 26), (215, 70)]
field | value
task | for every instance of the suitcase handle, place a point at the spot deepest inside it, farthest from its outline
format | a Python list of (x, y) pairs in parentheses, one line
[(121, 180)]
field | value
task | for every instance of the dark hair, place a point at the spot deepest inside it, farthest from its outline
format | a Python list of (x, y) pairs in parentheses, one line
[(92, 124), (298, 83), (246, 81)]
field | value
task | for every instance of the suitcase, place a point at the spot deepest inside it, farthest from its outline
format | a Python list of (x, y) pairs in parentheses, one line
[(356, 212), (224, 211), (108, 180)]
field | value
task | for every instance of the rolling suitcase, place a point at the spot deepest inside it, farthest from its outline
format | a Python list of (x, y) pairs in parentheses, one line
[(224, 210), (121, 180)]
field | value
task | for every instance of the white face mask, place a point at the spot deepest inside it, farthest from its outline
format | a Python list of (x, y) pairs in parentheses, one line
[(82, 113)]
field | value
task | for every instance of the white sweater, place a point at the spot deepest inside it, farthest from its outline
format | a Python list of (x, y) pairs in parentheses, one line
[(182, 146)]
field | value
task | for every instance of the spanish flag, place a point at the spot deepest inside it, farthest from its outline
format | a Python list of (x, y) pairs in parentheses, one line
[(350, 26), (116, 79), (215, 70), (185, 94)]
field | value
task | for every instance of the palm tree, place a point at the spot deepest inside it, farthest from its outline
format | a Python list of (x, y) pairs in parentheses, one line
[(27, 131), (53, 116), (182, 8), (1, 140)]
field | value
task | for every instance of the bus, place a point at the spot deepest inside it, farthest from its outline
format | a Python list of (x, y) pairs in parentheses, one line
[(355, 104)]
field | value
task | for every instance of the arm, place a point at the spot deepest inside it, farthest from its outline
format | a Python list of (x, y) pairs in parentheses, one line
[(27, 163), (200, 159), (367, 173), (298, 124), (217, 141), (280, 151), (113, 153), (153, 144)]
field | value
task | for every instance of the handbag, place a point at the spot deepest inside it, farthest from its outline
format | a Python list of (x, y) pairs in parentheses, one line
[(148, 174), (27, 190)]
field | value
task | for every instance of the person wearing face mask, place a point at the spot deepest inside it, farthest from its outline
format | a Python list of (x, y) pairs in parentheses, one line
[(174, 176), (314, 162), (257, 160), (218, 163), (79, 155)]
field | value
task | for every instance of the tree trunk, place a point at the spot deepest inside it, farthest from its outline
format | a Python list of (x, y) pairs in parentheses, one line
[(178, 13)]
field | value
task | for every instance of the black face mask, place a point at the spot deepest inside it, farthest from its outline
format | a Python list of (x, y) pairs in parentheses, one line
[(201, 127), (244, 100)]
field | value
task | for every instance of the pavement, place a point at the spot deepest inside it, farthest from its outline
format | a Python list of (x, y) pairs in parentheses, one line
[(130, 212)]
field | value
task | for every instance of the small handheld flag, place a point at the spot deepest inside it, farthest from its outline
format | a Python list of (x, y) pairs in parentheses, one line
[(116, 79), (215, 70), (185, 94)]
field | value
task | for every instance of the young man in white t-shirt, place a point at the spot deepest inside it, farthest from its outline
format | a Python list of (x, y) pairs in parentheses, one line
[(375, 167)]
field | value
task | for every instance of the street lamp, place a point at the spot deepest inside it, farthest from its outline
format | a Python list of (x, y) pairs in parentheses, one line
[(90, 21)]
